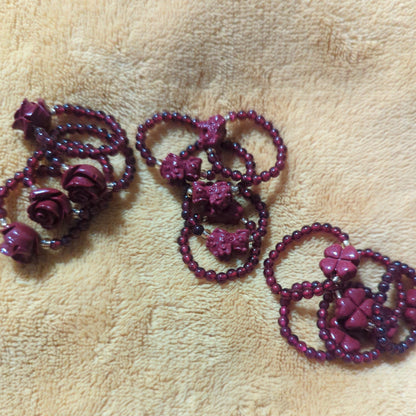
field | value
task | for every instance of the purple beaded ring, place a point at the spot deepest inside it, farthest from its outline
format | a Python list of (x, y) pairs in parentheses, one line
[(360, 315), (84, 184), (214, 202), (220, 243), (212, 133)]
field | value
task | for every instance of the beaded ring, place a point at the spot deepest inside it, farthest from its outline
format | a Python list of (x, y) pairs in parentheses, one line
[(85, 184), (222, 243), (212, 133), (213, 201), (360, 313), (350, 315)]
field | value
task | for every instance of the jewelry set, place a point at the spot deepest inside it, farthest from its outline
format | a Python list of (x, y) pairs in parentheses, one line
[(356, 324)]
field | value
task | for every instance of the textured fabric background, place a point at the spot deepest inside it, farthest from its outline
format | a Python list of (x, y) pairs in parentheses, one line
[(117, 325)]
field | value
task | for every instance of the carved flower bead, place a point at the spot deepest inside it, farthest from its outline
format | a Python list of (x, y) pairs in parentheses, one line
[(85, 184), (220, 195), (223, 244), (231, 215), (21, 242), (355, 308), (219, 244), (30, 116), (49, 207), (212, 132), (340, 261), (176, 170), (217, 195)]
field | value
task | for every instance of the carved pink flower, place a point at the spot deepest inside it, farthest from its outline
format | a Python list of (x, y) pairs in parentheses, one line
[(21, 242), (345, 341), (223, 244), (30, 116), (85, 184), (355, 308), (340, 261), (176, 170), (49, 207), (212, 132)]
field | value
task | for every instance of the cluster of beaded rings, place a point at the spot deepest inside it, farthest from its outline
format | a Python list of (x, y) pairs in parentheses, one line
[(214, 201), (85, 188), (359, 315)]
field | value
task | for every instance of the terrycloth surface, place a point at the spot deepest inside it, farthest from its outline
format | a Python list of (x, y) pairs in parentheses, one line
[(117, 325)]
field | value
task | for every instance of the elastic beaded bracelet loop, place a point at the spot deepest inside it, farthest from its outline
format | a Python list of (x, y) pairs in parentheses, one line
[(85, 184), (22, 242), (359, 312), (250, 177), (212, 134), (76, 150), (306, 289), (150, 123), (32, 115), (254, 234), (120, 139)]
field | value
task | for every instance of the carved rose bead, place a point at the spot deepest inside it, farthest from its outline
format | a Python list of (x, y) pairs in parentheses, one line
[(176, 170), (355, 308), (21, 242), (30, 116), (212, 132), (49, 207), (340, 261), (85, 184)]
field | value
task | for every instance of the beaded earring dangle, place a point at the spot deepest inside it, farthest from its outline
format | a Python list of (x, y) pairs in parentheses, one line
[(85, 188), (207, 199)]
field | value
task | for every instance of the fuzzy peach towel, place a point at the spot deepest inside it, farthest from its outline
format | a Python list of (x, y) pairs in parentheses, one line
[(116, 324)]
